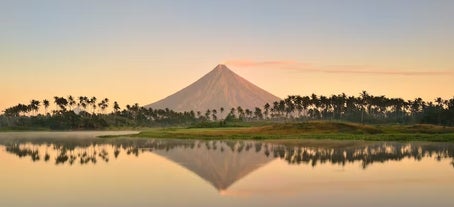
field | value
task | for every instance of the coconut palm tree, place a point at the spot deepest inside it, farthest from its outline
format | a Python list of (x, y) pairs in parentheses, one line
[(248, 113), (298, 101), (232, 113), (61, 102), (207, 114), (92, 102), (306, 102), (416, 106), (324, 106), (289, 106), (83, 102), (46, 105), (267, 110), (116, 107), (281, 108), (240, 112), (363, 100), (34, 106), (315, 102), (258, 113), (213, 114), (103, 104), (439, 108), (343, 104), (275, 109), (222, 111), (71, 102), (106, 103)]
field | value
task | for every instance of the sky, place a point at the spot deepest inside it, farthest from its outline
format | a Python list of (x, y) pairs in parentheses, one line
[(142, 51)]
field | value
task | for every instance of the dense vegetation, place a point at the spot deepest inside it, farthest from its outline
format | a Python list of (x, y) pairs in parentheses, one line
[(89, 113)]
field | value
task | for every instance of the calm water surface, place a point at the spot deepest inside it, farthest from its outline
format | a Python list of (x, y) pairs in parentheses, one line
[(77, 169)]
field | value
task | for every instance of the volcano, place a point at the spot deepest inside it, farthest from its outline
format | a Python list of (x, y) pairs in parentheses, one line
[(219, 88)]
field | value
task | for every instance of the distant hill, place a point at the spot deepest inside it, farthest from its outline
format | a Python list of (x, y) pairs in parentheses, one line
[(219, 88)]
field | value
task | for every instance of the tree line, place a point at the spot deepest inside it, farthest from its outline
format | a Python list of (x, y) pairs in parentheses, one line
[(365, 108), (90, 113)]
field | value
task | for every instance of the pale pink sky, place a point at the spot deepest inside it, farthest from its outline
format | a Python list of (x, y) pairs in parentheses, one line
[(143, 51)]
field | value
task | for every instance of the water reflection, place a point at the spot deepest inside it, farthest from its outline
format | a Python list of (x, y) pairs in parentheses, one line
[(222, 163)]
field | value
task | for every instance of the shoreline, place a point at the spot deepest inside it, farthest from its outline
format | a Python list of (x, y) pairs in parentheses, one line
[(309, 130), (316, 130)]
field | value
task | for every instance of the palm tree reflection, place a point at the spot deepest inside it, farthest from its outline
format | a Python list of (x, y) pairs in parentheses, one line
[(90, 151)]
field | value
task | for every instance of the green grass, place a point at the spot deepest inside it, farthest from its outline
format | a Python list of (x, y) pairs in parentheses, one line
[(291, 131), (310, 130), (21, 129), (219, 124)]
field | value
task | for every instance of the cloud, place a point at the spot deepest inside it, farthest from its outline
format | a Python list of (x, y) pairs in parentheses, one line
[(272, 63), (333, 69)]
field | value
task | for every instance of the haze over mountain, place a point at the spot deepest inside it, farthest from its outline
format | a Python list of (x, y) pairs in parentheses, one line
[(219, 88)]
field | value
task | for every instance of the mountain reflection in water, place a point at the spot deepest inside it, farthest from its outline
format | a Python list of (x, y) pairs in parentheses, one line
[(222, 163)]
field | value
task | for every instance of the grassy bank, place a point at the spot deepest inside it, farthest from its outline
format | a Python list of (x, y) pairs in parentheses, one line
[(311, 130), (22, 129)]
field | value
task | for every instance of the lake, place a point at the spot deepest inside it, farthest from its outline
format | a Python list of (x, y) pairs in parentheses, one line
[(78, 169)]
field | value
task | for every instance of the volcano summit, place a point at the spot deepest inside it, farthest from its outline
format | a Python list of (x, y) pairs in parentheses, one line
[(219, 88)]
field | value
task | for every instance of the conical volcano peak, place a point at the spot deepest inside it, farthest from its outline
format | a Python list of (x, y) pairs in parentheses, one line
[(221, 67), (219, 88)]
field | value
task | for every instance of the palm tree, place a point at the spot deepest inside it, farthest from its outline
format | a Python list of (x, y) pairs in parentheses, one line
[(92, 102), (207, 114), (232, 113), (267, 110), (34, 106), (56, 102), (324, 104), (299, 104), (248, 113), (306, 102), (214, 112), (315, 102), (25, 109), (240, 112), (135, 109), (222, 111), (439, 107), (281, 107), (103, 104), (46, 105), (416, 106), (275, 108), (71, 102), (61, 102), (289, 105), (258, 113), (106, 103), (116, 107), (83, 102), (343, 104), (363, 100)]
